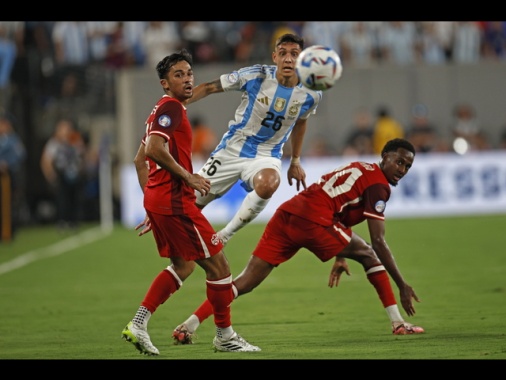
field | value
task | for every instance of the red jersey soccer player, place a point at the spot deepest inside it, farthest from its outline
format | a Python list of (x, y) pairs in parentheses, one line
[(320, 219), (182, 233)]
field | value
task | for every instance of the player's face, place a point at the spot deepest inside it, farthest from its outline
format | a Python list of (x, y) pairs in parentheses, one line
[(285, 56), (396, 165), (180, 81)]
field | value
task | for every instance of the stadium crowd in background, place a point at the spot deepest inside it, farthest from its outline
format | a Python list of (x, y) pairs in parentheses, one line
[(93, 50), (60, 45), (55, 69)]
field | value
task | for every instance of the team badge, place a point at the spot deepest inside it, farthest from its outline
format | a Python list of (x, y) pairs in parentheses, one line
[(233, 77), (294, 109), (279, 104), (164, 121), (380, 206)]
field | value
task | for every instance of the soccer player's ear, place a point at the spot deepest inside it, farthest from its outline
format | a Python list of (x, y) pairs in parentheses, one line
[(165, 84)]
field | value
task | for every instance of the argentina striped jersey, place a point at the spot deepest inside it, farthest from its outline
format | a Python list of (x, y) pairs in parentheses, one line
[(267, 113)]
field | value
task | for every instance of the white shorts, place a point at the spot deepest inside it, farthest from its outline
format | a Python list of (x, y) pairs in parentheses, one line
[(224, 170)]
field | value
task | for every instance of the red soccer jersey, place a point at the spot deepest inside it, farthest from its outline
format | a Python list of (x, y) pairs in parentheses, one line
[(164, 193), (349, 195)]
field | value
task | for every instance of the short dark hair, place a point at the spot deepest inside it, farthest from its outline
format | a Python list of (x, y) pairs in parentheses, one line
[(393, 145), (163, 67), (290, 37)]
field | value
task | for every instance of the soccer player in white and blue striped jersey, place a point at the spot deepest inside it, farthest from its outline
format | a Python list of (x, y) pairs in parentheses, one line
[(274, 107)]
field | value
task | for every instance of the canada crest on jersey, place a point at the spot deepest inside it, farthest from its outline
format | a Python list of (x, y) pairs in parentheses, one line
[(279, 104)]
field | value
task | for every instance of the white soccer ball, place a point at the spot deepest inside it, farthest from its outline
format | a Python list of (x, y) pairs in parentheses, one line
[(319, 67)]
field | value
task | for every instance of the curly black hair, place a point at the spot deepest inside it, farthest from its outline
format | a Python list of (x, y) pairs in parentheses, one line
[(163, 67), (393, 145)]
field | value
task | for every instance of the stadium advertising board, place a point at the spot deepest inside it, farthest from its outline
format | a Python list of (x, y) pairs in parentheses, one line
[(437, 185)]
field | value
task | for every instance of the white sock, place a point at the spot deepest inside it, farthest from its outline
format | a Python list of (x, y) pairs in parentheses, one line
[(224, 333), (192, 323), (142, 316), (251, 206), (394, 314)]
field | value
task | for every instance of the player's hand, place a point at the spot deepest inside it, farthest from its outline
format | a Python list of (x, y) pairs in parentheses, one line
[(340, 266), (146, 224), (295, 171), (199, 183), (407, 297)]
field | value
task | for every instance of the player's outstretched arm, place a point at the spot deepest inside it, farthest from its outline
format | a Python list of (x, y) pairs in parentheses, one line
[(204, 89), (380, 246), (295, 171)]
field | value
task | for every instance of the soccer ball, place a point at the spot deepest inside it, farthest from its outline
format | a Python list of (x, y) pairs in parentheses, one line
[(319, 67)]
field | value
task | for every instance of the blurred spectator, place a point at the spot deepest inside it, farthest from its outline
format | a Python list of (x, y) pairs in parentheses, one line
[(246, 44), (357, 45), (421, 133), (36, 68), (70, 102), (99, 33), (133, 32), (359, 140), (204, 139), (432, 48), (327, 33), (197, 38), (226, 36), (398, 42), (11, 41), (444, 32), (386, 128), (91, 185), (466, 130), (62, 164), (494, 40), (12, 156), (467, 42), (375, 28), (160, 38), (71, 48), (70, 39), (119, 54)]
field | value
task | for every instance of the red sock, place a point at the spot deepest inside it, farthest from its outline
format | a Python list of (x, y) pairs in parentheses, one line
[(160, 290), (381, 283), (204, 311), (220, 297)]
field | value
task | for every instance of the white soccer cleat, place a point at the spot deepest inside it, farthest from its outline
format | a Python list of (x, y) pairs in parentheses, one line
[(235, 344), (139, 337)]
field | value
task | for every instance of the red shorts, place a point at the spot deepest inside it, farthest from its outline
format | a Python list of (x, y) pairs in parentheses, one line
[(286, 234), (190, 237)]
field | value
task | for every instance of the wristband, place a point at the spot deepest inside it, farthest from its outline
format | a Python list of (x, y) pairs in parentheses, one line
[(295, 161)]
